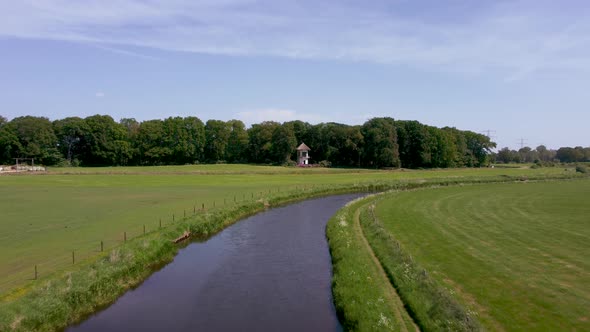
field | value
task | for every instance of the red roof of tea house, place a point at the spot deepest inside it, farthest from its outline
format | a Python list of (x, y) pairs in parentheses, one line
[(303, 147)]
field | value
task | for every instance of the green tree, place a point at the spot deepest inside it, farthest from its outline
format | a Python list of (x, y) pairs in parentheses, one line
[(380, 143), (260, 141), (237, 143), (30, 137), (443, 150), (341, 144), (150, 143), (217, 135), (71, 133), (504, 156), (196, 135), (106, 142), (528, 155), (460, 146), (283, 143), (132, 127), (185, 137), (10, 145), (570, 155), (543, 153), (478, 148), (412, 137)]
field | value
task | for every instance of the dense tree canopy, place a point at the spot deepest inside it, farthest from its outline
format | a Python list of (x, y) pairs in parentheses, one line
[(380, 142), (237, 144), (380, 147), (29, 137), (542, 155)]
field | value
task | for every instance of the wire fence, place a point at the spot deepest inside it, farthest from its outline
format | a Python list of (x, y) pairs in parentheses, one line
[(21, 272)]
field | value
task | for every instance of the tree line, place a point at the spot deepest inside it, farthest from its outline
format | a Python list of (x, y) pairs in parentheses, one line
[(542, 155), (99, 140)]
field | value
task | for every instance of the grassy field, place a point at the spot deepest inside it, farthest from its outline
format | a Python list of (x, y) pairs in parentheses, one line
[(46, 217), (517, 255)]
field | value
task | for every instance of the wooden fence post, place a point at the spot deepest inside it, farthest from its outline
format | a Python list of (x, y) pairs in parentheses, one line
[(101, 246), (73, 258), (124, 236), (160, 222), (144, 229), (35, 271)]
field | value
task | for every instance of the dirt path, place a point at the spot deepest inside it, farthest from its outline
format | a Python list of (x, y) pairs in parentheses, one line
[(400, 313)]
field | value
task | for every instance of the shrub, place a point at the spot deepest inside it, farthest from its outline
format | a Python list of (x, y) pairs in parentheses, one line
[(325, 163), (289, 163), (581, 169)]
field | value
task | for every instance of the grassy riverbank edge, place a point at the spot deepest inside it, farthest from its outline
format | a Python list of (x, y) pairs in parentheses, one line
[(67, 297), (356, 296), (430, 304)]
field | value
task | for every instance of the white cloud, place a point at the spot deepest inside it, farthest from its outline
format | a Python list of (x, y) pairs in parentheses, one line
[(99, 94), (276, 114), (513, 38)]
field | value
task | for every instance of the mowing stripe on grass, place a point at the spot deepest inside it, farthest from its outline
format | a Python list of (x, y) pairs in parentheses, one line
[(516, 254)]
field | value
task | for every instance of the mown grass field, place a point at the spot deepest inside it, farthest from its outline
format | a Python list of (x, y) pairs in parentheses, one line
[(515, 254), (46, 217)]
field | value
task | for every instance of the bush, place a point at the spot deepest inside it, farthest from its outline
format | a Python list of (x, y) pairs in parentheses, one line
[(581, 169), (289, 163), (325, 163)]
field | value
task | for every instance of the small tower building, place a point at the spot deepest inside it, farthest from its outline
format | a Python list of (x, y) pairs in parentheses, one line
[(303, 154)]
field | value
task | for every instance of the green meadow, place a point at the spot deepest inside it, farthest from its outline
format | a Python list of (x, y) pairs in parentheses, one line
[(514, 255), (46, 217)]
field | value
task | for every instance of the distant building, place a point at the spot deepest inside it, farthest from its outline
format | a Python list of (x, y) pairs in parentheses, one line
[(303, 154)]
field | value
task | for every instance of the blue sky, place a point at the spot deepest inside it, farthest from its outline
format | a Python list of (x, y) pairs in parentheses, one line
[(519, 68)]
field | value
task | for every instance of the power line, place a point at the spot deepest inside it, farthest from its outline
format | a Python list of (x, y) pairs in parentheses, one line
[(522, 142), (488, 133)]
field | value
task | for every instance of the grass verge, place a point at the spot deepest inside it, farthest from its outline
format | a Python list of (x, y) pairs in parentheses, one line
[(362, 294)]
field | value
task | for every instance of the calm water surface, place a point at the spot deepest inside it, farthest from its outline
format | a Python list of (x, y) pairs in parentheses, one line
[(270, 272)]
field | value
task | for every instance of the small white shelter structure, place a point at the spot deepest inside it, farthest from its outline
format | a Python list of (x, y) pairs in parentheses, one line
[(303, 154)]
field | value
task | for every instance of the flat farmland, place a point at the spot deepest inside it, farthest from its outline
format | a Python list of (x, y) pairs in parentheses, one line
[(44, 218), (517, 255)]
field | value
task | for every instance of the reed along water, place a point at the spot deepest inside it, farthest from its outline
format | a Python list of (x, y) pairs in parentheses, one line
[(269, 272)]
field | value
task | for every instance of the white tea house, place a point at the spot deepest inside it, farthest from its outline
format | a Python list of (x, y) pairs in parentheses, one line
[(303, 154)]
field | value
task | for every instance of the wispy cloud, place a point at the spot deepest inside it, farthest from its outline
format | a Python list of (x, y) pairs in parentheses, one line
[(99, 94), (124, 52), (514, 38), (276, 114)]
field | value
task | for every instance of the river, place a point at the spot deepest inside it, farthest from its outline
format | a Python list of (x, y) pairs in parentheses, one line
[(269, 272)]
